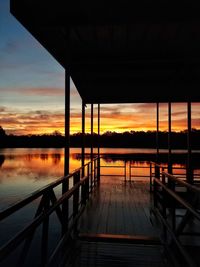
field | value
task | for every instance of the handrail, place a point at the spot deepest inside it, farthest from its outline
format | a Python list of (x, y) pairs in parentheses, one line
[(44, 210), (161, 204), (16, 240), (21, 203), (175, 179), (178, 198)]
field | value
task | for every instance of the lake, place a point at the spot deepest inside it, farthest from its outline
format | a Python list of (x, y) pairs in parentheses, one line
[(24, 170)]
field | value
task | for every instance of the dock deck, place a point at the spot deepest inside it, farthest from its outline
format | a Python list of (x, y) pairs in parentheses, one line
[(116, 228), (119, 207)]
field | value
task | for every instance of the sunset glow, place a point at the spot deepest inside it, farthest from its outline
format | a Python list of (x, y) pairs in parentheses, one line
[(32, 93)]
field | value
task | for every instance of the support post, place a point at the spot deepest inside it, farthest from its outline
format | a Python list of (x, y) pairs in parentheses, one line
[(169, 139), (189, 149), (157, 132), (83, 139), (92, 130), (65, 184), (98, 122), (98, 160)]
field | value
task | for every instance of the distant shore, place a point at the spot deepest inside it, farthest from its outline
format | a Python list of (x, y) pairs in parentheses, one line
[(178, 140)]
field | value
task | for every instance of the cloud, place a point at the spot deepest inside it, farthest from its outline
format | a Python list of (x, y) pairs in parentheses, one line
[(8, 121), (32, 122), (43, 91), (113, 117), (179, 113)]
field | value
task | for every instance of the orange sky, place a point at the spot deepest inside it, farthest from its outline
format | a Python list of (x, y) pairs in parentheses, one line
[(47, 117)]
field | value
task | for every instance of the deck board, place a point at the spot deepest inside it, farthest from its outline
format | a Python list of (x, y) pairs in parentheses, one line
[(117, 255), (119, 208), (115, 229)]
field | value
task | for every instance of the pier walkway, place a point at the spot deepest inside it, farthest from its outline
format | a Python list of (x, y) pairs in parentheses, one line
[(116, 228)]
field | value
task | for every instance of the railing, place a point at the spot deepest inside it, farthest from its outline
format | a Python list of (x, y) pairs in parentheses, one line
[(156, 170), (171, 195), (129, 170), (122, 166), (67, 208)]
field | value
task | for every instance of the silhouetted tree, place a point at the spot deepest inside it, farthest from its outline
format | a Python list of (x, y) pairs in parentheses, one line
[(2, 132)]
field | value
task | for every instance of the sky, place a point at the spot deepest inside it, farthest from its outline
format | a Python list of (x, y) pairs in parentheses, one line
[(32, 92)]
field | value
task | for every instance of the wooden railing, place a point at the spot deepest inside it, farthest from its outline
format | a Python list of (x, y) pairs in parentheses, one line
[(172, 195), (67, 207)]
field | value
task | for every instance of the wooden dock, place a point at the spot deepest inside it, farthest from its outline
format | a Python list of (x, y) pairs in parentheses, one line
[(116, 228), (119, 207)]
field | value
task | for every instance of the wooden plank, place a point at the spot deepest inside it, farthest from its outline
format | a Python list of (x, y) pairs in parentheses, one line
[(119, 254), (133, 239), (119, 208)]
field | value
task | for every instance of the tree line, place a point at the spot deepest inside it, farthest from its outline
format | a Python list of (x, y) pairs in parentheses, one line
[(126, 139)]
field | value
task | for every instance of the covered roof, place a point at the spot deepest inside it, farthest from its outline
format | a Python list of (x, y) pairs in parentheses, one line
[(121, 51)]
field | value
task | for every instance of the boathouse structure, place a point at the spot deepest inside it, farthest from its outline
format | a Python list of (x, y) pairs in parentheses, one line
[(117, 52)]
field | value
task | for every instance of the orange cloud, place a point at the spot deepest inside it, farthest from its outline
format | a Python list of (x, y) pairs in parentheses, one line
[(118, 118), (43, 91)]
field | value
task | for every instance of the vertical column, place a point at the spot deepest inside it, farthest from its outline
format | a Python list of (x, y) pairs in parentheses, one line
[(98, 118), (92, 129), (98, 163), (189, 130), (169, 139), (83, 138), (91, 148), (65, 185), (157, 131), (67, 121)]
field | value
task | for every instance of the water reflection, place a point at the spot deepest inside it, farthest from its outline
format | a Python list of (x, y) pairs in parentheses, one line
[(23, 171)]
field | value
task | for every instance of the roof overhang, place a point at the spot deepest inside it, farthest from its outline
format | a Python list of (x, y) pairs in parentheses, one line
[(120, 51)]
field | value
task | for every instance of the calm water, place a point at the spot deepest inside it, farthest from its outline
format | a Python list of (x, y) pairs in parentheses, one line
[(24, 170)]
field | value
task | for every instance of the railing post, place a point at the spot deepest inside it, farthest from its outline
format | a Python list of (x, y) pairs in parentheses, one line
[(45, 230), (84, 193), (150, 177), (155, 201), (173, 208), (76, 179), (87, 185), (94, 170), (91, 175), (124, 170), (157, 171), (98, 170), (164, 207)]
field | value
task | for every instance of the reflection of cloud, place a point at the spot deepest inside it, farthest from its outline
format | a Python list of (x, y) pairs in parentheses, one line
[(30, 167)]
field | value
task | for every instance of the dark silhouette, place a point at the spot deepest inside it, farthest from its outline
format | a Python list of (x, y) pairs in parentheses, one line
[(2, 159), (126, 139), (2, 132)]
